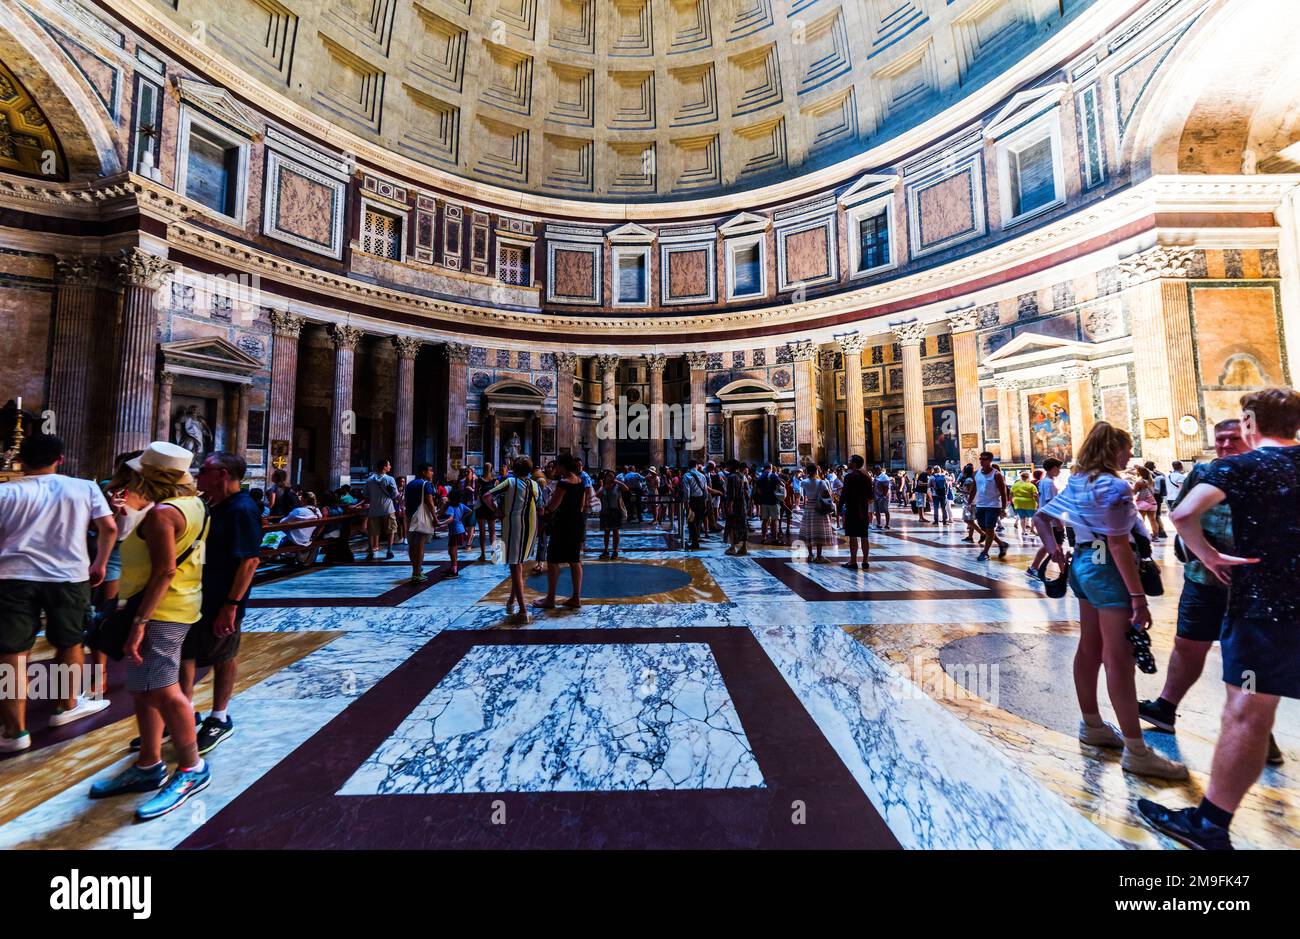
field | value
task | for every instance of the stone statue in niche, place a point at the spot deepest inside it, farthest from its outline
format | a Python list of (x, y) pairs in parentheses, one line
[(514, 448), (192, 431)]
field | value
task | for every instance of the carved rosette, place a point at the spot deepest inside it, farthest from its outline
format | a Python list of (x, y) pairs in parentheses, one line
[(284, 323), (607, 362), (911, 333), (1155, 263), (963, 321), (803, 350), (852, 344), (139, 268), (656, 361), (75, 270), (566, 363), (408, 347), (345, 337), (456, 352), (698, 361)]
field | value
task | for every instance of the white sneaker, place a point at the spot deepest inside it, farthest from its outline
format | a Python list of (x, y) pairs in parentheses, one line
[(15, 744), (85, 707), (1150, 763), (1104, 736)]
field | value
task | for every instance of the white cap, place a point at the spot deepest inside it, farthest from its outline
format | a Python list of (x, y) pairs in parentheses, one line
[(163, 455)]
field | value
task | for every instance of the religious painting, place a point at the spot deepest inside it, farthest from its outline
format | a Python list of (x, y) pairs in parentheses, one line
[(943, 430), (1049, 425)]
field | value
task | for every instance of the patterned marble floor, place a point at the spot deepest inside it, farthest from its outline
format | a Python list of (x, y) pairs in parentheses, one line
[(768, 702)]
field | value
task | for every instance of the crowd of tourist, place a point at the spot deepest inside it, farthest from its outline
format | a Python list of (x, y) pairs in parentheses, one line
[(155, 566)]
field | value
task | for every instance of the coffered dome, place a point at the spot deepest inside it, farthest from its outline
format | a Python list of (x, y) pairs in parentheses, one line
[(625, 99)]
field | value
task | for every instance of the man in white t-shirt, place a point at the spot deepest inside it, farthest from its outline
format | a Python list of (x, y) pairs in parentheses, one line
[(1174, 480), (44, 566), (381, 518)]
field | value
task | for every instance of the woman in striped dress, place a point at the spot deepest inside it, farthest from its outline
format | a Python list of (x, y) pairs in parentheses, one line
[(518, 494), (815, 530)]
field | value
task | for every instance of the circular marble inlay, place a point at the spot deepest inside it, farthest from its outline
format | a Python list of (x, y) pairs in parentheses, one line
[(617, 581)]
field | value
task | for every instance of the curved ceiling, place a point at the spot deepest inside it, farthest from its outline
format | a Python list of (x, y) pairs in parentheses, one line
[(625, 100)]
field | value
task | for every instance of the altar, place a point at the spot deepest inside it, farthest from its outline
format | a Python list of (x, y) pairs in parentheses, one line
[(512, 419)]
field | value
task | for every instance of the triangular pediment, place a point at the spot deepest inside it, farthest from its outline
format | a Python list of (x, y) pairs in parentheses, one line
[(744, 223), (1023, 107), (209, 352), (868, 187), (1035, 345), (631, 234), (217, 103)]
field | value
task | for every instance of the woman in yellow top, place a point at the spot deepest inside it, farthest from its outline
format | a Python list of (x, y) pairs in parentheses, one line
[(1024, 500), (162, 566)]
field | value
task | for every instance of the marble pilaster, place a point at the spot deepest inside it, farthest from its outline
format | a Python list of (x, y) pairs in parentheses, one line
[(71, 356), (804, 352), (566, 365), (699, 367), (140, 274), (852, 346), (1009, 421), (285, 330), (910, 336), (457, 356), (965, 361)]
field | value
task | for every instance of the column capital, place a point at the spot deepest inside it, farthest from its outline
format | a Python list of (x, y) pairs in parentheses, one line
[(139, 268), (77, 270), (852, 344), (826, 358), (698, 361), (962, 321), (566, 363), (455, 352), (803, 350), (345, 337), (1155, 263), (771, 410), (408, 347), (911, 333), (284, 323), (656, 361), (607, 362), (167, 377)]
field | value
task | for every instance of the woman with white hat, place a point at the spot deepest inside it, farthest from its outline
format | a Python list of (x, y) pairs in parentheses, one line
[(162, 571)]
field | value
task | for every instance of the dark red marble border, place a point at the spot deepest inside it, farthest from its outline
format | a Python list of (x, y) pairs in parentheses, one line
[(805, 588), (295, 806)]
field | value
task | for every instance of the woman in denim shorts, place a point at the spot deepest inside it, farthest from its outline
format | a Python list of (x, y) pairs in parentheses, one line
[(1099, 506)]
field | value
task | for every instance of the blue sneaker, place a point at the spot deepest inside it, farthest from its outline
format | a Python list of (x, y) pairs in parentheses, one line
[(176, 793), (131, 779)]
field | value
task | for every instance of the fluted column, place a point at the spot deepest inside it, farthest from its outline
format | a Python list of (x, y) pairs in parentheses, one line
[(285, 330), (699, 367), (607, 425), (1009, 420), (70, 360), (856, 418), (457, 356), (771, 446), (965, 366), (342, 418), (910, 336), (243, 401), (1078, 386), (656, 362), (1164, 362), (566, 365), (162, 429), (408, 347), (804, 353), (828, 453), (140, 274), (1288, 257)]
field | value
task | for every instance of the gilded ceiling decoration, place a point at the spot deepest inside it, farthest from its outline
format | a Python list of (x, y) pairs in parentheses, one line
[(27, 142)]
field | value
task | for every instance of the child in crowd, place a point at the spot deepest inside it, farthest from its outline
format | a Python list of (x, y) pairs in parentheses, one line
[(456, 515)]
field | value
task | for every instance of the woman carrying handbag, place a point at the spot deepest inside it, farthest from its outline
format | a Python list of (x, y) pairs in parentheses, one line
[(1098, 504)]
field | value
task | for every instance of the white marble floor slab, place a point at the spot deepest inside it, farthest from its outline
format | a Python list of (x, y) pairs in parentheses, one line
[(564, 718)]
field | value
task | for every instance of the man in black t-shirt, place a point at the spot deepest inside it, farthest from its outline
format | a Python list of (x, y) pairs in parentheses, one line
[(230, 557), (1260, 642), (855, 502)]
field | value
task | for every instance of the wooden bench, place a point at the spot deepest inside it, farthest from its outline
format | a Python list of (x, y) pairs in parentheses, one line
[(305, 555)]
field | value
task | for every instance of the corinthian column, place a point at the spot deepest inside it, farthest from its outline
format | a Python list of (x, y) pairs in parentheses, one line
[(566, 365), (1164, 363), (457, 355), (285, 329), (343, 419), (70, 363), (827, 446), (697, 420), (162, 423), (910, 336), (852, 346), (1009, 420), (407, 348), (804, 352), (608, 439), (140, 275), (965, 367), (656, 362)]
